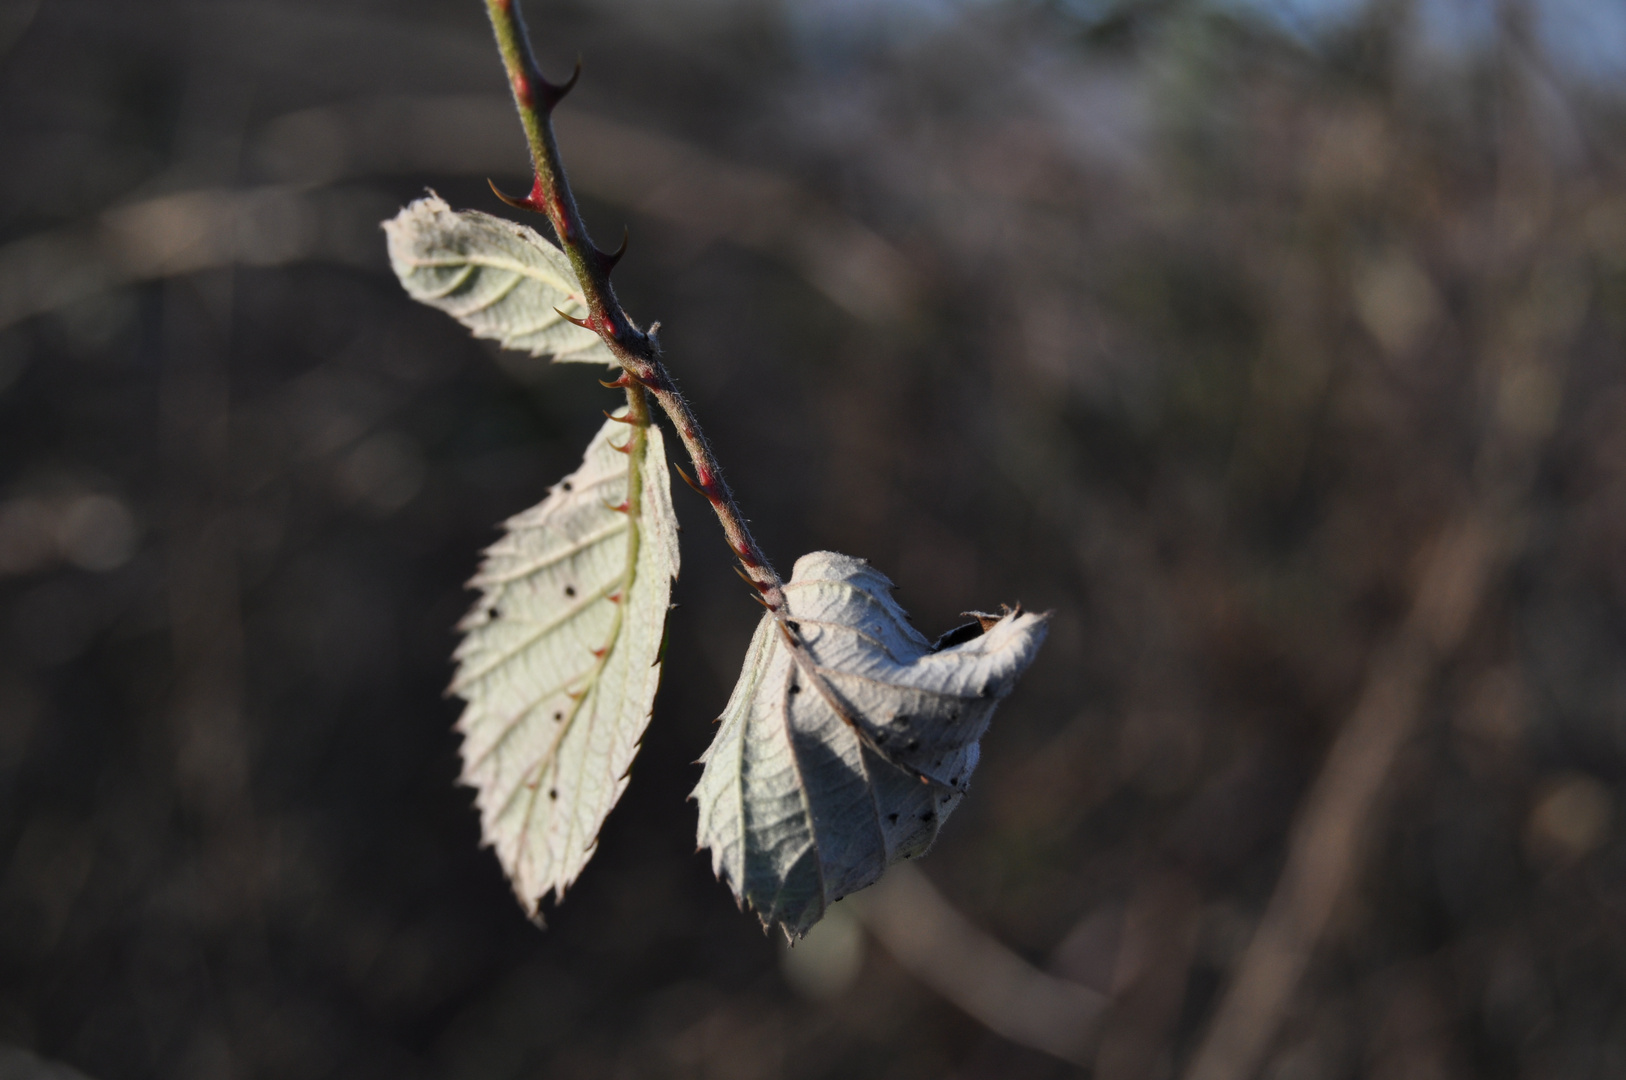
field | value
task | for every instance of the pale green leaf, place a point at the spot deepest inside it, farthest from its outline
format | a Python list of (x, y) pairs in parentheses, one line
[(563, 656), (848, 739), (500, 279)]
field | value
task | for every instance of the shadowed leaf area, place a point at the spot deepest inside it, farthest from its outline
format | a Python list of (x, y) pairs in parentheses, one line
[(849, 739)]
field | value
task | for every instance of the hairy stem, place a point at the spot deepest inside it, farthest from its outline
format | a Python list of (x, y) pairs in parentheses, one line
[(637, 350)]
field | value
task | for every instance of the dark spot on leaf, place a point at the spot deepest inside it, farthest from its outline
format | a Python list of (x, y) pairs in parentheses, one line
[(928, 815), (570, 590), (794, 688), (566, 486), (914, 744), (493, 614), (553, 793), (558, 716), (893, 818), (794, 625)]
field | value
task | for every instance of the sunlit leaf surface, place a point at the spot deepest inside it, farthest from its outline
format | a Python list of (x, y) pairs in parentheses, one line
[(500, 279), (563, 655)]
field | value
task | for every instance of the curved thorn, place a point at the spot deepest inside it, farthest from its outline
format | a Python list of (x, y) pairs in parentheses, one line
[(518, 204), (698, 490), (627, 449), (555, 92), (583, 323), (620, 383), (608, 259), (570, 83), (620, 419)]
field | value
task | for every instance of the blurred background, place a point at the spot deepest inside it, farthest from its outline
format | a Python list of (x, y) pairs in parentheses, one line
[(1275, 345)]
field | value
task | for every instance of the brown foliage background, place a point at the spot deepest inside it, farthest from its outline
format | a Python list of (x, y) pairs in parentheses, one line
[(1286, 369)]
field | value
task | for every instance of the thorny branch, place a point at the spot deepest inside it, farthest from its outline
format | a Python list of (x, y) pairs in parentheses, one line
[(637, 350)]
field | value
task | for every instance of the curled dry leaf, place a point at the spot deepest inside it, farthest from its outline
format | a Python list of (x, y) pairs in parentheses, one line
[(563, 656), (500, 279), (848, 739)]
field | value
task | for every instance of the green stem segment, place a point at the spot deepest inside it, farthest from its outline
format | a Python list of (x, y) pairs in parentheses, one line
[(637, 351)]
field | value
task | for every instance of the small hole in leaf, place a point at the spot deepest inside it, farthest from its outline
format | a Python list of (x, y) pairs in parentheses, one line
[(493, 614), (958, 636), (566, 486), (570, 590)]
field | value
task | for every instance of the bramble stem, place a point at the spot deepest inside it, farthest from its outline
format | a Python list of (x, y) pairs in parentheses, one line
[(638, 351)]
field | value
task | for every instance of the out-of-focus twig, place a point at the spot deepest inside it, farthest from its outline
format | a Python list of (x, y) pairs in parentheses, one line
[(1159, 938), (666, 178), (1323, 850), (301, 218), (1003, 992), (182, 233)]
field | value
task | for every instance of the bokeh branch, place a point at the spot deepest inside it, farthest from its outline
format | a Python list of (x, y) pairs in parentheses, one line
[(997, 988), (1324, 852)]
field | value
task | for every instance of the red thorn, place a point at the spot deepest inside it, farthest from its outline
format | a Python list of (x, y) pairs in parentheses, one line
[(619, 419), (746, 578), (614, 598), (622, 509), (585, 324), (697, 488), (599, 653), (627, 449), (528, 202), (618, 384), (764, 603)]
